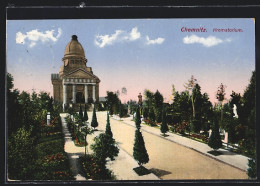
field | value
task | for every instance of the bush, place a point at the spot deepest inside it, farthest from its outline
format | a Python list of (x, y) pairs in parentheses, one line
[(195, 125), (21, 153), (93, 171)]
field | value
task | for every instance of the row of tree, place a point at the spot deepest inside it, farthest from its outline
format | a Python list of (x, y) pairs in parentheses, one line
[(192, 112), (26, 118)]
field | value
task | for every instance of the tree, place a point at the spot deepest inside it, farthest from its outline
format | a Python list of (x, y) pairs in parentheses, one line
[(104, 147), (190, 86), (14, 110), (85, 131), (164, 127), (215, 139), (20, 154), (139, 151), (85, 118), (132, 105), (80, 112), (148, 98), (121, 110), (151, 115), (108, 127), (252, 164), (157, 106), (173, 92), (94, 122), (145, 112), (112, 101), (221, 97), (138, 118)]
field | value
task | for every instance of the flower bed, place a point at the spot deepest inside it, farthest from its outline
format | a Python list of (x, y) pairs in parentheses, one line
[(93, 171), (52, 162), (200, 137)]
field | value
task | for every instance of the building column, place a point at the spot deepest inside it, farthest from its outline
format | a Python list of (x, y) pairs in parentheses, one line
[(94, 93), (86, 93), (74, 93), (64, 96)]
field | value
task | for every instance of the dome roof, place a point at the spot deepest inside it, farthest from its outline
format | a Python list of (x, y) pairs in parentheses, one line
[(74, 48)]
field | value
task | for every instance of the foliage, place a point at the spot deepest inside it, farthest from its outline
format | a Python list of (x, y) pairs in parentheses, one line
[(200, 137), (20, 153), (190, 87), (108, 131), (85, 117), (215, 139), (94, 122), (103, 148), (252, 171), (122, 110), (195, 126), (43, 160), (139, 151), (164, 127), (113, 102), (180, 128), (151, 115), (132, 106), (93, 171), (138, 118), (52, 162), (145, 112), (80, 112), (157, 105)]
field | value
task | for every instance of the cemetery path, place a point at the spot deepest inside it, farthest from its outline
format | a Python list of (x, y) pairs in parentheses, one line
[(174, 157), (122, 166), (73, 152)]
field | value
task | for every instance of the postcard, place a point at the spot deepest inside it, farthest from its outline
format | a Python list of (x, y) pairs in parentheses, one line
[(150, 99)]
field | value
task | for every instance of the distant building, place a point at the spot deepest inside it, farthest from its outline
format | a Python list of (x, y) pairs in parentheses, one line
[(75, 84)]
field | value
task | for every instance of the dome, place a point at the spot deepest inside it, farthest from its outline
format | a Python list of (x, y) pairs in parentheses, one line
[(74, 48)]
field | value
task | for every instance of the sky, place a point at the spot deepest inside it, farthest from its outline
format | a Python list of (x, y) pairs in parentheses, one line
[(137, 54)]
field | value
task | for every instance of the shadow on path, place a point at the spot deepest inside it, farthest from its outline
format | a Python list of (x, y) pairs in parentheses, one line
[(159, 172)]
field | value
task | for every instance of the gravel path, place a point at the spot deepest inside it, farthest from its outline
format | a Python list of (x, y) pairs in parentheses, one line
[(122, 160), (171, 158)]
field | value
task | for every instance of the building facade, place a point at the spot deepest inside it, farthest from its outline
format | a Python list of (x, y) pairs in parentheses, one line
[(76, 83)]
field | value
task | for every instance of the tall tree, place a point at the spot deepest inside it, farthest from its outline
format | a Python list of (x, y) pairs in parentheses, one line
[(221, 97), (113, 102), (151, 115), (215, 139), (157, 105), (132, 105), (108, 127), (138, 118), (190, 86), (94, 122), (80, 112), (139, 151), (85, 118), (14, 110), (164, 127), (247, 116)]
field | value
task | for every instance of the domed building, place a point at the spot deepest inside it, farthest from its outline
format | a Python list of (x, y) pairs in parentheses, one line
[(75, 84)]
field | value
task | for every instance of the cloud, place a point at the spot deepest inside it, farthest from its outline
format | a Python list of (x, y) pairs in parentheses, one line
[(119, 36), (159, 40), (32, 37), (103, 40), (207, 42), (134, 34)]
